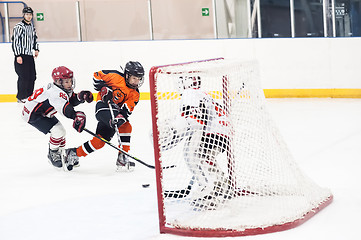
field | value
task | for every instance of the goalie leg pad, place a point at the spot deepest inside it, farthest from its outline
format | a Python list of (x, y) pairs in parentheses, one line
[(194, 158), (213, 186)]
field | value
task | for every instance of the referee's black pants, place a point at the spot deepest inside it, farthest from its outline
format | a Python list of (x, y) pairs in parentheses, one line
[(26, 76)]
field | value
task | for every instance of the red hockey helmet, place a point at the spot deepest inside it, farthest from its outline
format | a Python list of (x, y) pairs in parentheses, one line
[(60, 73)]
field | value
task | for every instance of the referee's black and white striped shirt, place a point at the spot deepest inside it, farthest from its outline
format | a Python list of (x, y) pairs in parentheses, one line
[(24, 39)]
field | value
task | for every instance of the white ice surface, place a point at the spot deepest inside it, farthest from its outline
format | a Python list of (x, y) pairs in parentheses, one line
[(93, 202)]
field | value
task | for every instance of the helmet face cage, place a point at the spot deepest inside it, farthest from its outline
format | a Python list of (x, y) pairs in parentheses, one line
[(60, 73), (68, 91), (134, 69), (186, 82)]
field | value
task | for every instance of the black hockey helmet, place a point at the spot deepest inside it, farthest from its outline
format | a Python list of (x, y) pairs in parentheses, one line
[(134, 69), (28, 10)]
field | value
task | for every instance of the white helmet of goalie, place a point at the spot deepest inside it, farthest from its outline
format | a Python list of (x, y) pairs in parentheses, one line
[(189, 82)]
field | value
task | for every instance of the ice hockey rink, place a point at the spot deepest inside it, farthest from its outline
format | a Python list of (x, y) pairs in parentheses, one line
[(94, 202)]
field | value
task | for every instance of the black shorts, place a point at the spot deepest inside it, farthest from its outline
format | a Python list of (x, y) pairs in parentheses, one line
[(44, 124)]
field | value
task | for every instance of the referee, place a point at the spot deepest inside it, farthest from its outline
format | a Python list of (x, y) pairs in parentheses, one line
[(24, 42)]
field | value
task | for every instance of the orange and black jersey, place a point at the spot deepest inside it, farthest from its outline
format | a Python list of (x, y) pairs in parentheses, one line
[(126, 98)]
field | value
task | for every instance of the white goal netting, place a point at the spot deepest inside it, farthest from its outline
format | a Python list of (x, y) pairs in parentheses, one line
[(222, 163)]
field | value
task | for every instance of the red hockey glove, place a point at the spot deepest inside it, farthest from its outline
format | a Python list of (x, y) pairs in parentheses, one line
[(118, 121), (106, 94), (85, 96), (79, 121)]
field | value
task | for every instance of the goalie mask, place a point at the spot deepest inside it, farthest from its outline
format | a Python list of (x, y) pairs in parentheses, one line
[(64, 79), (134, 75), (186, 82)]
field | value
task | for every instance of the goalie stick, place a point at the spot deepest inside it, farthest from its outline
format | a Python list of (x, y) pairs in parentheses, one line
[(180, 193)]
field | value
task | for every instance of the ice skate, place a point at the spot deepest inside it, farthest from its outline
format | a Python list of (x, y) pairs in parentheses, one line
[(54, 157), (70, 159), (207, 202), (211, 200), (223, 189), (123, 163)]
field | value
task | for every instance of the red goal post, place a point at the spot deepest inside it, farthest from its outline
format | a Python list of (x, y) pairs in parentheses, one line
[(234, 182)]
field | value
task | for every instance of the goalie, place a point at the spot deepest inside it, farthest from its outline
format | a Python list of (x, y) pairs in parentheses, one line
[(204, 126)]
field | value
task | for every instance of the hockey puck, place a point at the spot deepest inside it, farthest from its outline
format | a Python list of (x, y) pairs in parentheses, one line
[(145, 185)]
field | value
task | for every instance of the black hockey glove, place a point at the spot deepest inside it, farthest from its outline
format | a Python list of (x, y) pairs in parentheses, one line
[(85, 96), (106, 94), (118, 121), (79, 121)]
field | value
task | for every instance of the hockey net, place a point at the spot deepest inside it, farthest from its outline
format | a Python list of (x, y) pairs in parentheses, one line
[(222, 166)]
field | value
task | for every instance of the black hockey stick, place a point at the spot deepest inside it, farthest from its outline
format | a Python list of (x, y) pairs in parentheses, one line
[(180, 193), (113, 120), (119, 149)]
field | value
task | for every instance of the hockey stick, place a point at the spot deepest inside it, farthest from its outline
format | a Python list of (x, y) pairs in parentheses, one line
[(117, 148), (121, 150), (117, 130), (180, 193), (119, 139)]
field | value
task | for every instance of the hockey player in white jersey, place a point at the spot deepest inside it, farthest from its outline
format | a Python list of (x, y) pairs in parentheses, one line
[(204, 126), (40, 108)]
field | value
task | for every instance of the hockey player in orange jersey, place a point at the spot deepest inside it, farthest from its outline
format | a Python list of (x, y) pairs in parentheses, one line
[(121, 91)]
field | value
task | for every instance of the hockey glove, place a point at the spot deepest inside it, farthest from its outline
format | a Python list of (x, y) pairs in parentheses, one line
[(118, 121), (106, 94), (79, 121), (85, 96)]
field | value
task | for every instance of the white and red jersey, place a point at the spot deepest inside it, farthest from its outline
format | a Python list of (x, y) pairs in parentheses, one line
[(200, 111), (48, 100)]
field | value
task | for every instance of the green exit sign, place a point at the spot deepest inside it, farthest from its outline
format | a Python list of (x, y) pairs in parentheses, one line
[(205, 11), (40, 16)]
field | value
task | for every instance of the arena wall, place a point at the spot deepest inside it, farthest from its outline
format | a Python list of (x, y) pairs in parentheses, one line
[(299, 67)]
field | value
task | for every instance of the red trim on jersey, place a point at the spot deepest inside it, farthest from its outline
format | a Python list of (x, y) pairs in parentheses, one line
[(49, 110)]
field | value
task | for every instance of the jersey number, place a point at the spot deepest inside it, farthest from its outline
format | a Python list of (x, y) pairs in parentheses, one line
[(36, 93), (63, 95)]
